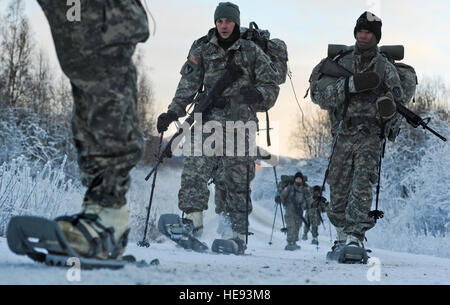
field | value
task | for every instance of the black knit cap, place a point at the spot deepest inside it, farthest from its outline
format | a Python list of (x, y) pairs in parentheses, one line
[(298, 174), (317, 188), (228, 10), (368, 21)]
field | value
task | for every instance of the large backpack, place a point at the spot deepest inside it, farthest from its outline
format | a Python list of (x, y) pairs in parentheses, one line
[(276, 49), (407, 74)]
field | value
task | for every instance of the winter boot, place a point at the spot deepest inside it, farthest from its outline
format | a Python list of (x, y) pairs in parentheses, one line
[(305, 236), (314, 241), (235, 245), (197, 220), (338, 245), (97, 232), (353, 252), (292, 246)]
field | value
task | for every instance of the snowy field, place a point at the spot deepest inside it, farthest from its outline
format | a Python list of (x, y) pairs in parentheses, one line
[(262, 265), (392, 241)]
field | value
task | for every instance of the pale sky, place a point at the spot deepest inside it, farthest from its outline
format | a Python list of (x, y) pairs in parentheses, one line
[(307, 27)]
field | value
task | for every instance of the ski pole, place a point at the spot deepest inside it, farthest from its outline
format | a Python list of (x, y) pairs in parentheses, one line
[(377, 214), (144, 242), (283, 229), (273, 225)]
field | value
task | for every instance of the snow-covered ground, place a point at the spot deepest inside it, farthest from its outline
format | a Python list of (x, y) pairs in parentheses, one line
[(392, 241), (263, 263)]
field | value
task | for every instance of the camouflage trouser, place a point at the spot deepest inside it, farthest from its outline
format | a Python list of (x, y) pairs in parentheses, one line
[(293, 222), (313, 222), (96, 54), (352, 175), (230, 176)]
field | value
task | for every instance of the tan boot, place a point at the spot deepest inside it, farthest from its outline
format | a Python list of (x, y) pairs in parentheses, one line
[(97, 232), (197, 220)]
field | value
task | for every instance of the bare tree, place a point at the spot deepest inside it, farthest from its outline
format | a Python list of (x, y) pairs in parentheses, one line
[(145, 101), (16, 55), (312, 135)]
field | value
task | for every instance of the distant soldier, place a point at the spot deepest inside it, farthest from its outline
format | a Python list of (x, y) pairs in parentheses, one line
[(295, 197), (312, 215)]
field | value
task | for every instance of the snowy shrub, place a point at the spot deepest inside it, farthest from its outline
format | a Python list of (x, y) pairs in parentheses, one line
[(29, 189)]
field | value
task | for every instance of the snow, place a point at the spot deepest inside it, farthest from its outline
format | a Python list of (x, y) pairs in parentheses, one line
[(262, 264), (411, 243)]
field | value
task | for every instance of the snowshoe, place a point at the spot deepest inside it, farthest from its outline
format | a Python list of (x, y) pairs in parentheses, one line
[(314, 241), (181, 231), (229, 246), (43, 241), (292, 247), (335, 252), (353, 253)]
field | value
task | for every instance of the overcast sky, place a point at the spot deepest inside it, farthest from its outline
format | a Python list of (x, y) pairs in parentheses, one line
[(307, 27)]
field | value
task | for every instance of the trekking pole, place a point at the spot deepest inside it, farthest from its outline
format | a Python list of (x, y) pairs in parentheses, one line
[(377, 214), (283, 229), (273, 225), (144, 242), (247, 199)]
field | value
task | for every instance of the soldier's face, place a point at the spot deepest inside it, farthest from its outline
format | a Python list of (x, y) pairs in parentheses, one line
[(225, 27), (363, 37), (298, 180)]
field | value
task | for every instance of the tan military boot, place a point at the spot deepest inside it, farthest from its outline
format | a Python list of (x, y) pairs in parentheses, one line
[(197, 220), (97, 232)]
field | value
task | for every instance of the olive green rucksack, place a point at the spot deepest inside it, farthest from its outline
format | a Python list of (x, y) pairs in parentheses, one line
[(408, 76)]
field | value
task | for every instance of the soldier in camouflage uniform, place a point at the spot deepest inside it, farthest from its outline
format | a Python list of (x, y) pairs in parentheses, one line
[(312, 215), (372, 91), (295, 197), (254, 91), (96, 54)]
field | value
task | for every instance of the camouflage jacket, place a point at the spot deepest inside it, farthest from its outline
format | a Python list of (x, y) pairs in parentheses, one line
[(362, 114), (300, 197), (319, 203), (205, 65)]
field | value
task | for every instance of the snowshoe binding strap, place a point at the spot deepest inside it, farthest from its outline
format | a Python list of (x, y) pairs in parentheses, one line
[(104, 242)]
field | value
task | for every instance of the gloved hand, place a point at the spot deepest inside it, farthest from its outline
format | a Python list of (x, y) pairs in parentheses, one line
[(165, 119), (251, 95), (366, 81), (277, 199), (386, 106)]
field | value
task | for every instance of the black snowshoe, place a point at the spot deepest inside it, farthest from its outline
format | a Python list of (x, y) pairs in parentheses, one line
[(353, 253), (181, 231), (229, 246), (335, 252), (26, 235)]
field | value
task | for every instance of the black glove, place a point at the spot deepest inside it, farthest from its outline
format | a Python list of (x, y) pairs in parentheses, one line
[(165, 119), (251, 95), (366, 81), (277, 199)]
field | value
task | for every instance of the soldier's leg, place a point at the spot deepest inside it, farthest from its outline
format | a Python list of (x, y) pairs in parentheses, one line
[(193, 195), (360, 199), (314, 219), (340, 179), (235, 173), (109, 143)]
